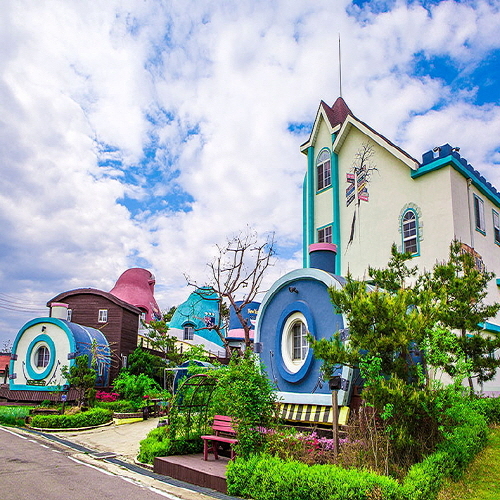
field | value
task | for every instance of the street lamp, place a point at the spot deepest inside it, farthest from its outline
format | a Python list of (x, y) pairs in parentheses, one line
[(334, 384)]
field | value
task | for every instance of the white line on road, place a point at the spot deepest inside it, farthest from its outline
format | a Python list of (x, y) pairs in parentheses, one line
[(91, 466), (13, 433)]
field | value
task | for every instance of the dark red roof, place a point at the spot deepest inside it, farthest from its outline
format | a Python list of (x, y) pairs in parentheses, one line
[(338, 112)]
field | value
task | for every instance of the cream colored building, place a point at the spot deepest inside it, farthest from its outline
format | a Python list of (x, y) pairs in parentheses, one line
[(363, 193)]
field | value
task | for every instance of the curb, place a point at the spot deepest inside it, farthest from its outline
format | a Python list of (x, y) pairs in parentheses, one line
[(72, 429)]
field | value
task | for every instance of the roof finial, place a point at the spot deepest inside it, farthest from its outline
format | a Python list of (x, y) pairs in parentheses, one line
[(340, 70)]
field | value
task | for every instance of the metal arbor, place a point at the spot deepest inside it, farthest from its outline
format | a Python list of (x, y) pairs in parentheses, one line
[(189, 408)]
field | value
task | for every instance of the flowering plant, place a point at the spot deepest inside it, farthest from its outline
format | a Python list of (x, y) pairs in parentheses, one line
[(106, 396)]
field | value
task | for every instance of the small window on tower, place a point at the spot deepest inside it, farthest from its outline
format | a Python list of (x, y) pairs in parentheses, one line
[(324, 169), (325, 234)]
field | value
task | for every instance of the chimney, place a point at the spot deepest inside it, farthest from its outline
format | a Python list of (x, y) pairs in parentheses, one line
[(322, 256), (59, 310)]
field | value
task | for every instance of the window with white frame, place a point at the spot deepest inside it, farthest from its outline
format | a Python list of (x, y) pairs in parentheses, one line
[(496, 227), (188, 332), (70, 313), (42, 357), (325, 234), (409, 230), (479, 214), (300, 345), (324, 169), (103, 316), (294, 345)]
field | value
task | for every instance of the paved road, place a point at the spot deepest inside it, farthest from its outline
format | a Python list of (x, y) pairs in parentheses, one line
[(32, 468)]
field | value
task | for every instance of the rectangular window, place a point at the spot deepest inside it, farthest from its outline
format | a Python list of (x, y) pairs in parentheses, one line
[(324, 175), (325, 234), (70, 313), (496, 227), (300, 344), (479, 214), (188, 332), (103, 316)]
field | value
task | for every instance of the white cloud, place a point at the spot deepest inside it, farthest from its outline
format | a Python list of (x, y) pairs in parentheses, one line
[(214, 86)]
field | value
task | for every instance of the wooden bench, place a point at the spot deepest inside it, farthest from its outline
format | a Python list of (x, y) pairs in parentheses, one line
[(223, 433)]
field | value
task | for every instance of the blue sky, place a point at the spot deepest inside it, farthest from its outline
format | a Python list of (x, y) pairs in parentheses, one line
[(145, 133)]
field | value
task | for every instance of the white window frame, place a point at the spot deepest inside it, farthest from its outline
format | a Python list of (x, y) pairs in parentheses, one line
[(479, 214), (42, 356), (496, 227), (294, 354), (70, 314), (325, 234), (103, 316), (410, 234), (188, 332), (324, 170)]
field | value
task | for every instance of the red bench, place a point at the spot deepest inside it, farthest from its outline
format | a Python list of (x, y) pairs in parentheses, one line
[(223, 433)]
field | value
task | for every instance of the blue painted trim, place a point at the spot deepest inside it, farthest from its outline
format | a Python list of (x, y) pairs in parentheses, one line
[(24, 387), (307, 273), (34, 375), (327, 187), (304, 223), (490, 327), (336, 208), (301, 307), (310, 200), (453, 162), (36, 321)]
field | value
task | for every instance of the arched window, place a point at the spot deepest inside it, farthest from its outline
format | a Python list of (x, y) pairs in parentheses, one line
[(324, 169), (188, 332), (42, 357), (409, 230)]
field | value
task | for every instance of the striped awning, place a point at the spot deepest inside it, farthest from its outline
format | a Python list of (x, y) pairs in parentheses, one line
[(312, 414)]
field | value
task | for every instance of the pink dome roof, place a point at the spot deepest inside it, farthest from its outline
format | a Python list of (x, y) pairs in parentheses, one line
[(136, 286)]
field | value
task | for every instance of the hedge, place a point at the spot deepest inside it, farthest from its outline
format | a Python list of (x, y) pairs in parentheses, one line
[(263, 477), (158, 444), (90, 418)]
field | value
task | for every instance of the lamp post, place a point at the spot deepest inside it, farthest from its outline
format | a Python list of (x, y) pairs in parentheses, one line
[(334, 384)]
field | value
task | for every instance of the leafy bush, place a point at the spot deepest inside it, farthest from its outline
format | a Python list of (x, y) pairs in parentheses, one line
[(158, 444), (13, 415), (489, 408), (135, 387), (263, 477), (244, 393), (121, 406), (95, 416), (271, 478)]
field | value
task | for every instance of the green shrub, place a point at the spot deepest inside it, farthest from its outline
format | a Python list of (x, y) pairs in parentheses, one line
[(13, 415), (244, 392), (159, 444), (95, 416), (489, 408), (269, 478), (120, 406), (134, 387)]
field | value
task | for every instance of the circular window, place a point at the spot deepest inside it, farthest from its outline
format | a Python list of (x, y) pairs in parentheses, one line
[(294, 344), (40, 357), (294, 356)]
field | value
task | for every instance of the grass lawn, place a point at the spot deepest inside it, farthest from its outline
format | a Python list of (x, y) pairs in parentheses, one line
[(482, 479)]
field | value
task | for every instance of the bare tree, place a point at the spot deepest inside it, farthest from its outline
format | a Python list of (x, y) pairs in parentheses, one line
[(236, 275)]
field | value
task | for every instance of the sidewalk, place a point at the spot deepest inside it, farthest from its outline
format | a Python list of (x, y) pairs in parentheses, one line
[(123, 440)]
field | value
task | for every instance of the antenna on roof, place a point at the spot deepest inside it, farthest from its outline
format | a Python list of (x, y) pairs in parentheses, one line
[(340, 70)]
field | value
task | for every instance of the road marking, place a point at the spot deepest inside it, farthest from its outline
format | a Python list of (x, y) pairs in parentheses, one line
[(91, 466), (163, 493), (13, 433)]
